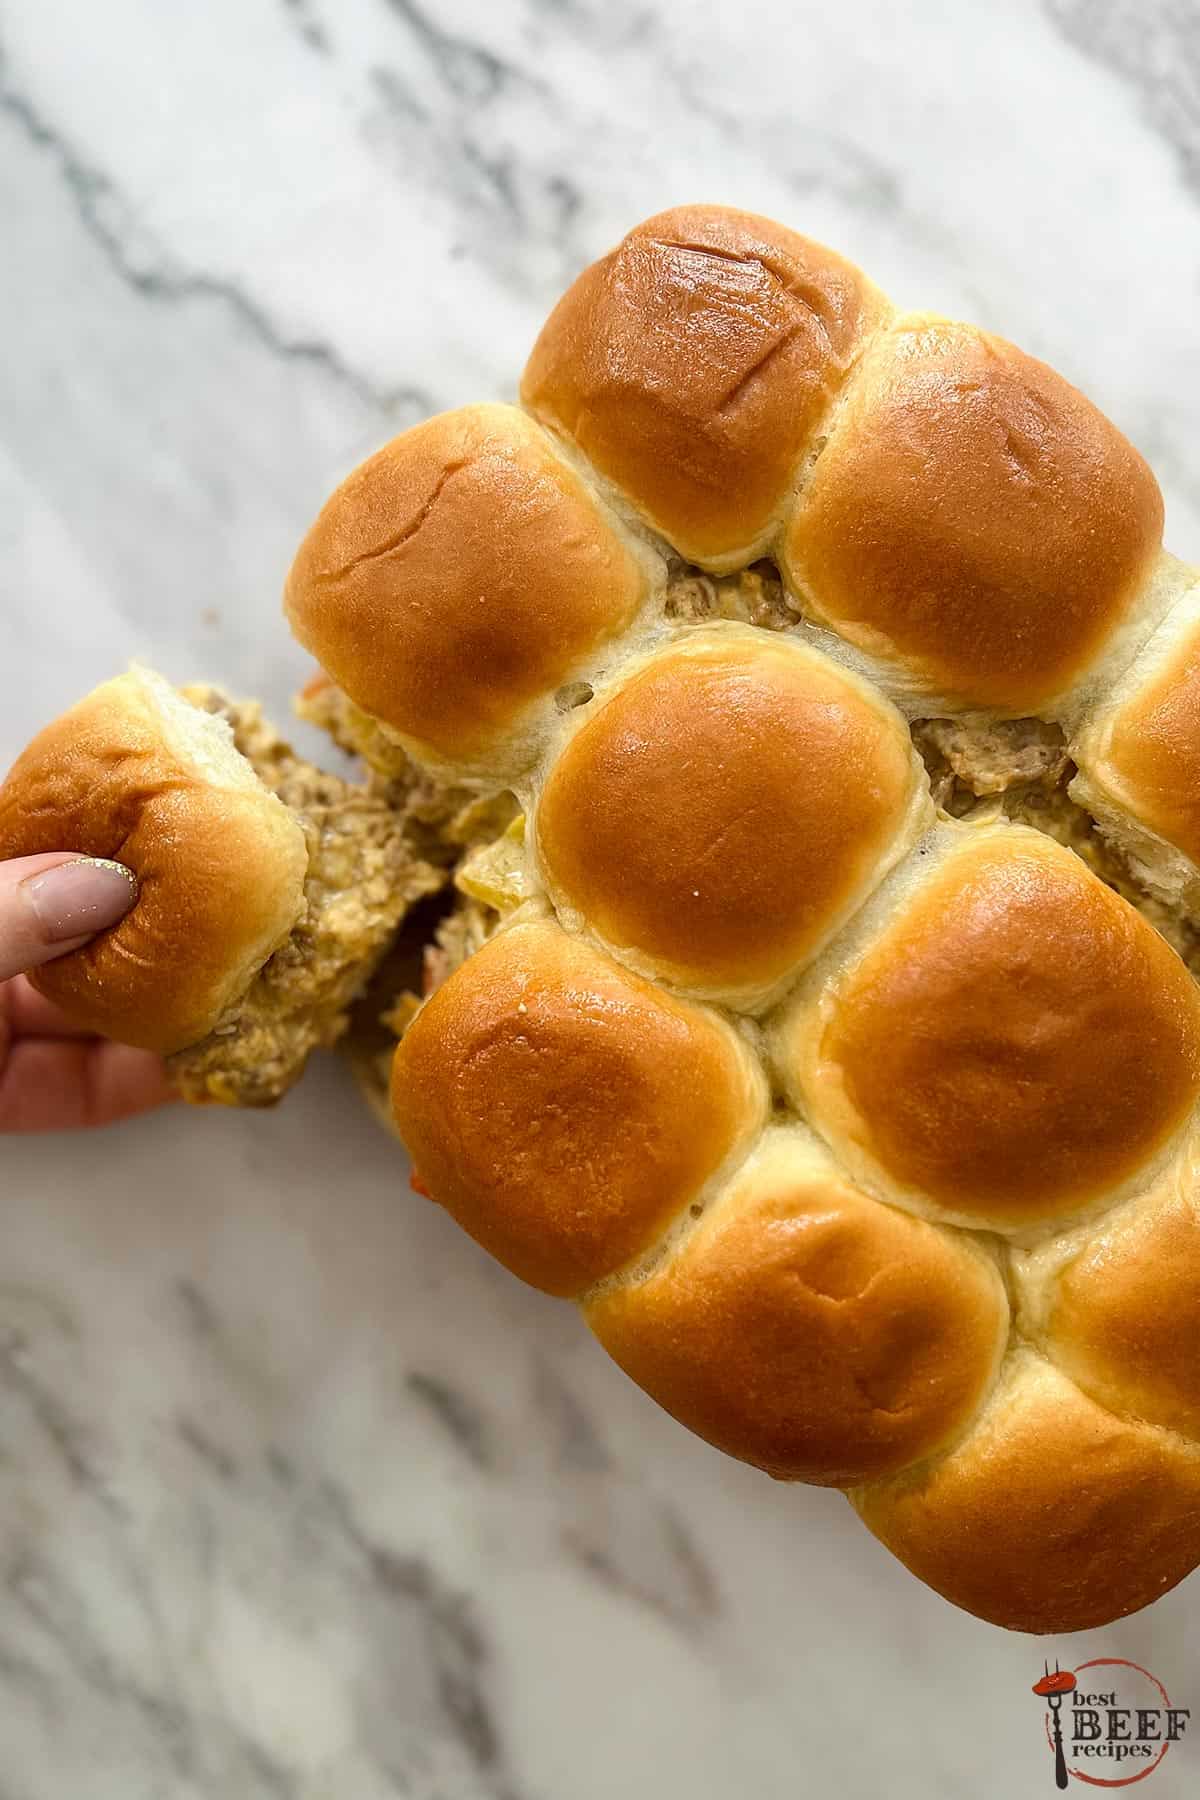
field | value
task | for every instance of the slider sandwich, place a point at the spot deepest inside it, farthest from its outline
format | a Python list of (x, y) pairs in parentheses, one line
[(268, 890)]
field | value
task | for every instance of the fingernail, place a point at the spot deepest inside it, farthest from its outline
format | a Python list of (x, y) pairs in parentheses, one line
[(75, 899)]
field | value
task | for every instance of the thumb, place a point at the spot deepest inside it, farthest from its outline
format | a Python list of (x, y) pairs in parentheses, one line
[(54, 903)]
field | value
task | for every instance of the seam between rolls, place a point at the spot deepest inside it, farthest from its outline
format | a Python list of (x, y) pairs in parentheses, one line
[(1037, 1343), (838, 404), (680, 1227), (913, 1473), (1191, 1446)]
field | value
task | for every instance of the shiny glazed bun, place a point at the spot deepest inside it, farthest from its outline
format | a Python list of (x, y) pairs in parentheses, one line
[(804, 1327), (974, 519), (136, 774), (1031, 1520), (563, 1110), (725, 808), (1014, 1044), (694, 366), (458, 576)]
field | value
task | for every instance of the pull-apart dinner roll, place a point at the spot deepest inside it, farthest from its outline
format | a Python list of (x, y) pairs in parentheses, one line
[(267, 890), (725, 807), (458, 578), (1003, 1041), (973, 521), (804, 1327), (566, 1111), (694, 367)]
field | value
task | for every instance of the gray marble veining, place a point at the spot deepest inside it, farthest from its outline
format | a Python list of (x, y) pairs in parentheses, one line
[(1154, 45), (300, 1495)]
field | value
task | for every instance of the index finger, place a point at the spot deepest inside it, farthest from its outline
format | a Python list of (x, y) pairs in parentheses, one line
[(29, 1014), (64, 1086)]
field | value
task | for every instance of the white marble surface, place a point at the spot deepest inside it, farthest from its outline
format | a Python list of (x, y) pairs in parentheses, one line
[(301, 1496)]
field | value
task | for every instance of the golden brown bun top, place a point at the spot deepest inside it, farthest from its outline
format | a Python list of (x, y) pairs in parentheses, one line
[(1015, 1045), (693, 366), (457, 577), (136, 774), (723, 809), (807, 1329), (974, 518), (1147, 754), (1051, 1515), (565, 1111), (1122, 1316)]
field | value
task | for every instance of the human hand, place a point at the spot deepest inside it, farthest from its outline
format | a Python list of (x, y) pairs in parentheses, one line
[(54, 1077)]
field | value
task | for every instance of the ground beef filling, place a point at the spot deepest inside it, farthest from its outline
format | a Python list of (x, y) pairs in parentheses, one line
[(324, 704), (419, 964), (363, 876), (753, 596), (442, 820), (1023, 766)]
